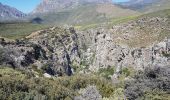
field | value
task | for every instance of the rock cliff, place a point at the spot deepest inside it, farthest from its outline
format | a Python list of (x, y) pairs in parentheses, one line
[(139, 44), (52, 50)]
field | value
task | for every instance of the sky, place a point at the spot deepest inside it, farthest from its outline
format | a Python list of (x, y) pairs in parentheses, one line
[(120, 0), (27, 6)]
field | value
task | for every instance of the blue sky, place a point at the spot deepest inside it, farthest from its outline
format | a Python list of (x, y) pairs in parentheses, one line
[(27, 6), (120, 0)]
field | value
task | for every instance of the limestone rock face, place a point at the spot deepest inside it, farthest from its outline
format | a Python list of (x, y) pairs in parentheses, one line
[(60, 46), (127, 45), (107, 53), (52, 50)]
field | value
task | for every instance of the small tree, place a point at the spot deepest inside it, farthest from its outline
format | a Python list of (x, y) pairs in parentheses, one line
[(153, 81)]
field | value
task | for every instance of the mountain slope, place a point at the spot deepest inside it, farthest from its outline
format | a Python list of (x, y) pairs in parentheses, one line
[(10, 13), (76, 12), (58, 5), (86, 14), (146, 5)]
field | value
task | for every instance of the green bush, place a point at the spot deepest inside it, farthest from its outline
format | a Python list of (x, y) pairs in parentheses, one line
[(165, 54), (128, 71), (2, 56), (18, 85), (106, 72), (151, 84)]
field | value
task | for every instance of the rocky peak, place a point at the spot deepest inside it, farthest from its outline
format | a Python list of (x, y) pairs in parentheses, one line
[(7, 13)]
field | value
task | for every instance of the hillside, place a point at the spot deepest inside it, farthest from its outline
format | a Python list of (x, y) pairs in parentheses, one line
[(161, 5), (146, 5), (17, 30), (87, 14), (145, 30), (57, 5)]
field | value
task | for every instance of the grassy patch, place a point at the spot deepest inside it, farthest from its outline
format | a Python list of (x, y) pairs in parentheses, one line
[(128, 72), (122, 20), (108, 23), (9, 72), (85, 27), (106, 72), (19, 30)]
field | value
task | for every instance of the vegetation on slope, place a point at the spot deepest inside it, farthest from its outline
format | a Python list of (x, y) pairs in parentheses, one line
[(21, 85), (157, 6), (19, 29), (144, 30), (86, 14), (152, 84)]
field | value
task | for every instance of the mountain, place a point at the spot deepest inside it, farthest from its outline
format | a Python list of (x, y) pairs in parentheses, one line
[(79, 11), (58, 5), (129, 60), (10, 13), (138, 2), (146, 5), (86, 14)]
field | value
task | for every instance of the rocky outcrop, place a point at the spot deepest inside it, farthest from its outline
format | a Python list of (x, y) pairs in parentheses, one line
[(60, 46), (107, 53), (52, 50), (89, 93), (111, 48), (20, 54)]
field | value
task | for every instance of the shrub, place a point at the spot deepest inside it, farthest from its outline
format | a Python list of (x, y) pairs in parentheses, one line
[(165, 54), (106, 72), (2, 56), (16, 85), (152, 81), (5, 57), (89, 93), (127, 71)]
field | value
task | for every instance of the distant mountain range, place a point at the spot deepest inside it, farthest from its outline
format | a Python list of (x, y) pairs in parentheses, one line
[(146, 5), (10, 13)]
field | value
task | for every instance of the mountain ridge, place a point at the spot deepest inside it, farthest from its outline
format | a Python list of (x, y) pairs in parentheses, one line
[(79, 11), (10, 13), (146, 5), (58, 5)]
